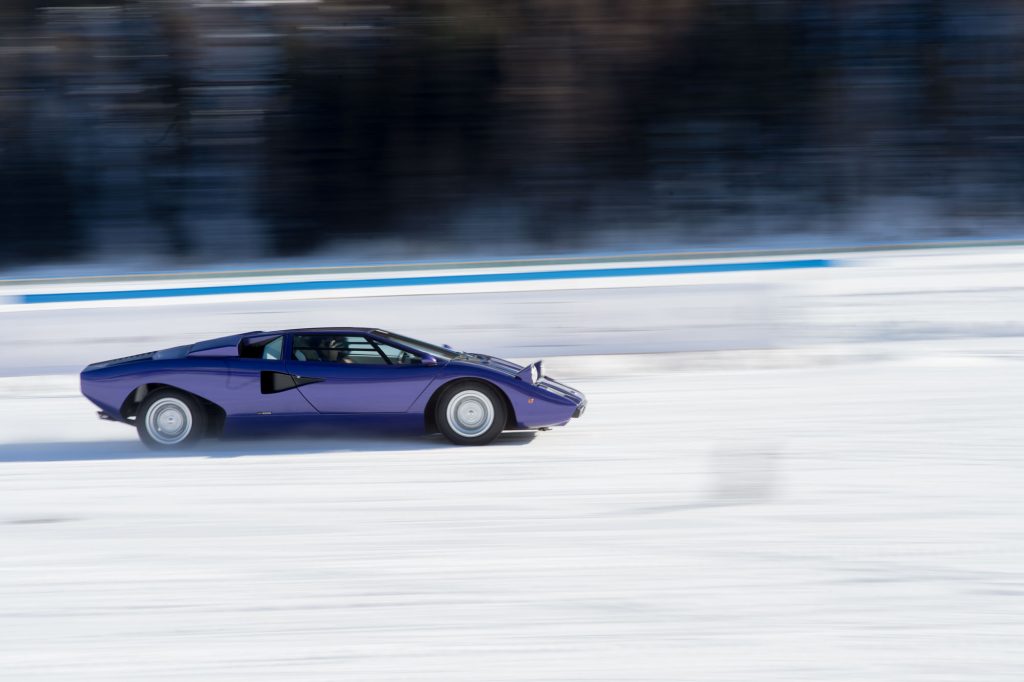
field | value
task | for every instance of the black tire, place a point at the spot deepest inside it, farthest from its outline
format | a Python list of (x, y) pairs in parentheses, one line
[(173, 408), (482, 409)]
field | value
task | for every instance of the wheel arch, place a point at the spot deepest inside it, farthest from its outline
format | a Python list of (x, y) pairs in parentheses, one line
[(429, 420), (215, 414)]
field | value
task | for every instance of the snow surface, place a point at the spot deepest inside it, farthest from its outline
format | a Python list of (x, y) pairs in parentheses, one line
[(850, 521), (830, 490)]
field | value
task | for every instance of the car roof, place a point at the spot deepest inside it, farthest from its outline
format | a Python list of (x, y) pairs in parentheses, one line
[(329, 330)]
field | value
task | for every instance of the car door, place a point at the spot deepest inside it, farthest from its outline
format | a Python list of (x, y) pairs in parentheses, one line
[(355, 374), (259, 383)]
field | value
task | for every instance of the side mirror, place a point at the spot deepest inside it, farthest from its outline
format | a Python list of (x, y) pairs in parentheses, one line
[(428, 361)]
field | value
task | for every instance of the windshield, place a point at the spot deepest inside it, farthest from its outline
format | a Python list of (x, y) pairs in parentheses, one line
[(421, 346)]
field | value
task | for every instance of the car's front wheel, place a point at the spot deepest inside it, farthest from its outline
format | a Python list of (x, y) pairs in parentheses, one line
[(471, 413), (169, 419)]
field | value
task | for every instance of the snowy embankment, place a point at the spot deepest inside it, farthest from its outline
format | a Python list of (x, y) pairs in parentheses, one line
[(833, 303)]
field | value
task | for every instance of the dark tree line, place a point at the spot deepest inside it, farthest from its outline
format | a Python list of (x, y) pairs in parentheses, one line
[(191, 128)]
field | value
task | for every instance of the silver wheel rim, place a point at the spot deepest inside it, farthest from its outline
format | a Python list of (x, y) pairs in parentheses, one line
[(470, 413), (168, 421)]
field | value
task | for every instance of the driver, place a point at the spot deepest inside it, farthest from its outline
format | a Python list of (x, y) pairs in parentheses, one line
[(335, 349)]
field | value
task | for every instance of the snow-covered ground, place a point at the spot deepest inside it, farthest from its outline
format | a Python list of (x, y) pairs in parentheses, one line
[(843, 504), (835, 522)]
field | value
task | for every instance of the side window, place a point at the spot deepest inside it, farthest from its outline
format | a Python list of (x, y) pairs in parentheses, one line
[(397, 356), (262, 349), (306, 348), (347, 350), (273, 350), (362, 352)]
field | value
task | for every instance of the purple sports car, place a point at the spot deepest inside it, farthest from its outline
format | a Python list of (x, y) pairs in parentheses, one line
[(305, 379)]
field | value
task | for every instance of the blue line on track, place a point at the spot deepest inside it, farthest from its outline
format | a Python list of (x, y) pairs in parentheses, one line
[(327, 285)]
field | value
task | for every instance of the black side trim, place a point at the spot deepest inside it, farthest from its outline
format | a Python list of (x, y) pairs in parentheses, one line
[(304, 381)]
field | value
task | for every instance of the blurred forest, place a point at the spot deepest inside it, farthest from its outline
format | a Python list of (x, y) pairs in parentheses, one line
[(258, 128)]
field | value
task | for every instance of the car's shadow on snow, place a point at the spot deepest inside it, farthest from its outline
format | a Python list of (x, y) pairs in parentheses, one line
[(129, 449)]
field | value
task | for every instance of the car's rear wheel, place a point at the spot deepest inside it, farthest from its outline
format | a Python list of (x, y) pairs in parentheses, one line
[(470, 413), (170, 419)]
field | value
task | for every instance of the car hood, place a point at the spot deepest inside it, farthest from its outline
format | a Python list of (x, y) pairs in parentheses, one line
[(497, 364)]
